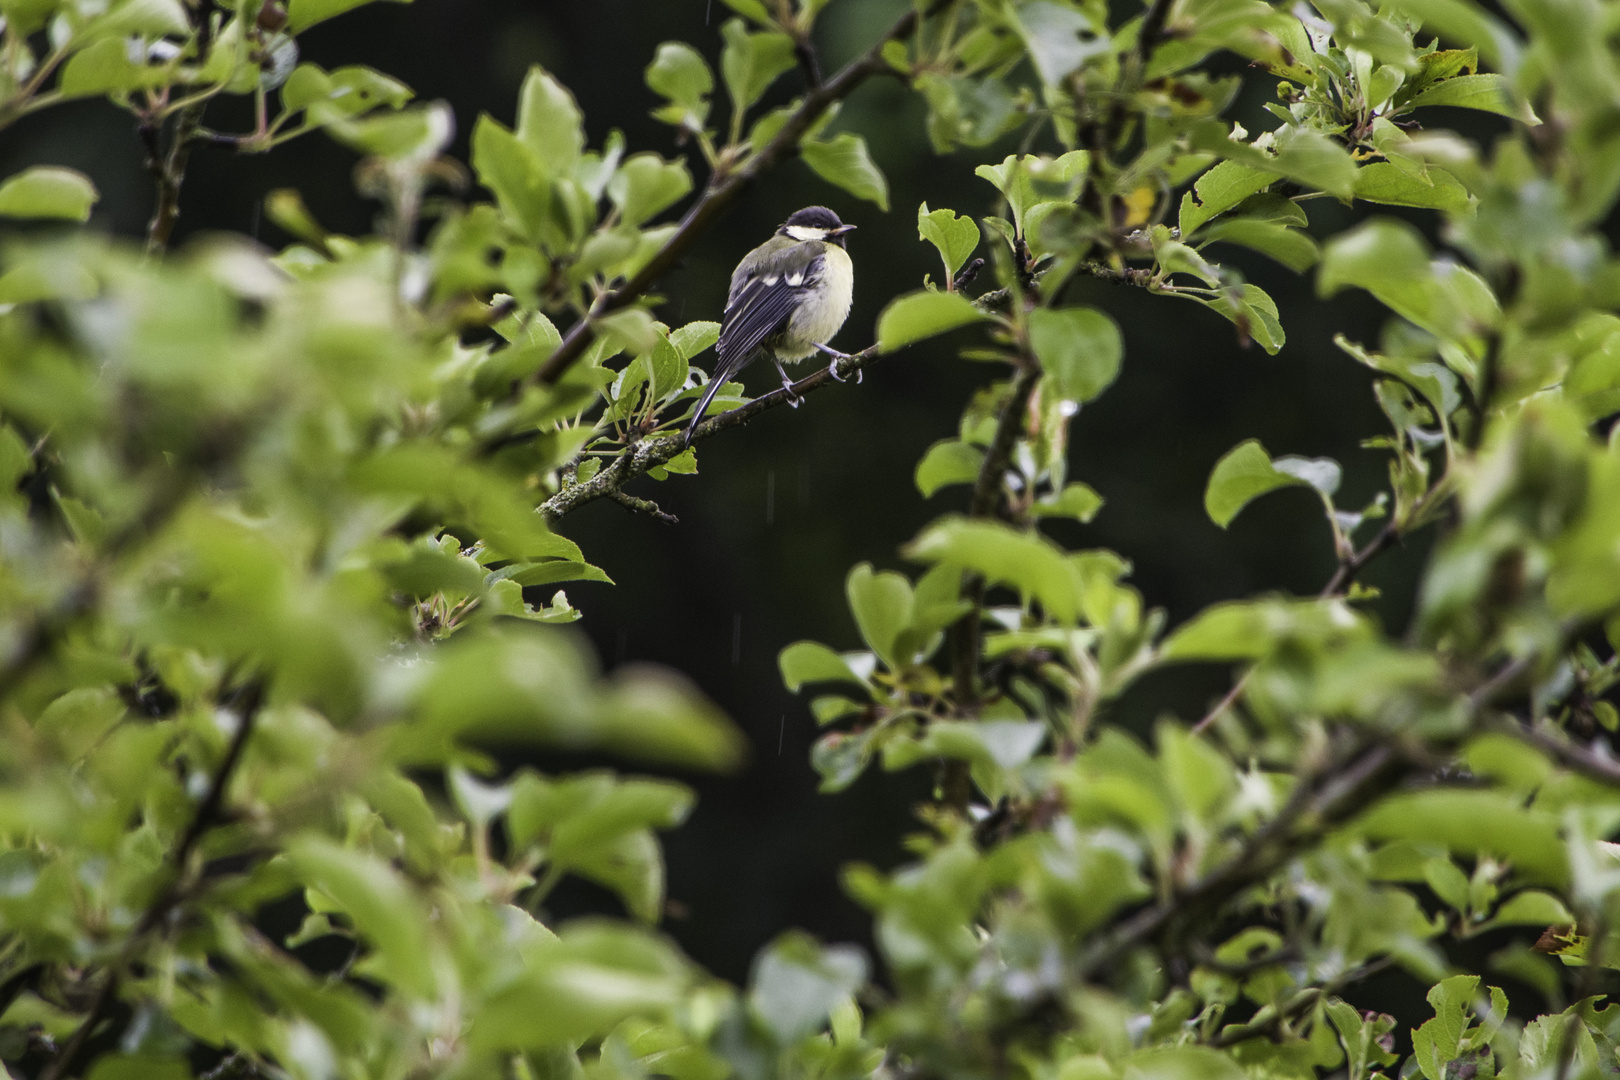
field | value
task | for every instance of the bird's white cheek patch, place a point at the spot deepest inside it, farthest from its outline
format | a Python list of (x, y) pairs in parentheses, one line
[(806, 232)]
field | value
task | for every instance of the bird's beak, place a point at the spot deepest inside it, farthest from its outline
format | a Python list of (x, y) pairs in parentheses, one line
[(841, 230)]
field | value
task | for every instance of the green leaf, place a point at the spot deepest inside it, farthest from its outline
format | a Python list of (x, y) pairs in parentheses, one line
[(1487, 93), (680, 73), (881, 603), (810, 661), (1252, 310), (26, 16), (1080, 348), (955, 237), (379, 902), (1182, 1063), (415, 135), (1219, 190), (1316, 161), (549, 122), (104, 67), (303, 14), (1077, 501), (1028, 180), (1249, 630), (581, 986), (1467, 23), (797, 982), (647, 184), (1533, 907), (140, 18), (920, 315), (46, 191), (754, 9), (949, 461), (843, 160), (139, 1067), (668, 370), (1389, 259), (600, 827), (749, 63), (1247, 472), (1383, 182), (1477, 822), (1028, 562), (346, 92), (1291, 247), (478, 802), (549, 572), (1060, 39), (694, 337)]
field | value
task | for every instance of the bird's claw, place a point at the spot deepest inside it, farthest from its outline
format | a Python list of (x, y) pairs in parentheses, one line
[(832, 368), (793, 399)]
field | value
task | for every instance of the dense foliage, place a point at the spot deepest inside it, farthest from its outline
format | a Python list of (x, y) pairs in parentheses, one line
[(280, 535)]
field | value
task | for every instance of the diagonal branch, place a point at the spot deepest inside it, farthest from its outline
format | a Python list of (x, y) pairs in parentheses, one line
[(723, 191), (1335, 793), (1348, 785), (208, 814)]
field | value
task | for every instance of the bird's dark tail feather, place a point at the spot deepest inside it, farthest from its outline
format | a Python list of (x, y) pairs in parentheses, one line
[(715, 383)]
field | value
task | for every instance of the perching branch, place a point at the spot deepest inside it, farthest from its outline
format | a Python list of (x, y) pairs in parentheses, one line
[(651, 453), (723, 190)]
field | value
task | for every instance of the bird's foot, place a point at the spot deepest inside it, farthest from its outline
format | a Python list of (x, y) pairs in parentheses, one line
[(832, 368), (793, 397)]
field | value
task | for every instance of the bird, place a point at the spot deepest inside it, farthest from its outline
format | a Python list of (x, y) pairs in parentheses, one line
[(788, 297)]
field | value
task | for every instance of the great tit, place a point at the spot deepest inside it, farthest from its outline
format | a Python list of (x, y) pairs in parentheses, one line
[(788, 296)]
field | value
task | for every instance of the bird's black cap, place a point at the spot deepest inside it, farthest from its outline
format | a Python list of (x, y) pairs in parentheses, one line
[(814, 217)]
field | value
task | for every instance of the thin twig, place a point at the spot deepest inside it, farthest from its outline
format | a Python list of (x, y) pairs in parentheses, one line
[(965, 276), (1349, 568), (1152, 31), (721, 193), (643, 506), (1012, 421), (169, 172), (1573, 756), (1268, 1025), (986, 502), (804, 51), (65, 1061), (1341, 580)]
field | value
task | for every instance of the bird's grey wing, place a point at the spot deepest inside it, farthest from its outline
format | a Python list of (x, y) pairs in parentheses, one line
[(760, 306)]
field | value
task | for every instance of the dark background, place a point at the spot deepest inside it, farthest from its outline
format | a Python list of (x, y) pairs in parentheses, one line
[(783, 508)]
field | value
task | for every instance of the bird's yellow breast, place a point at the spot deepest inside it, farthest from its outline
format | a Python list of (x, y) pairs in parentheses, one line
[(817, 320)]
